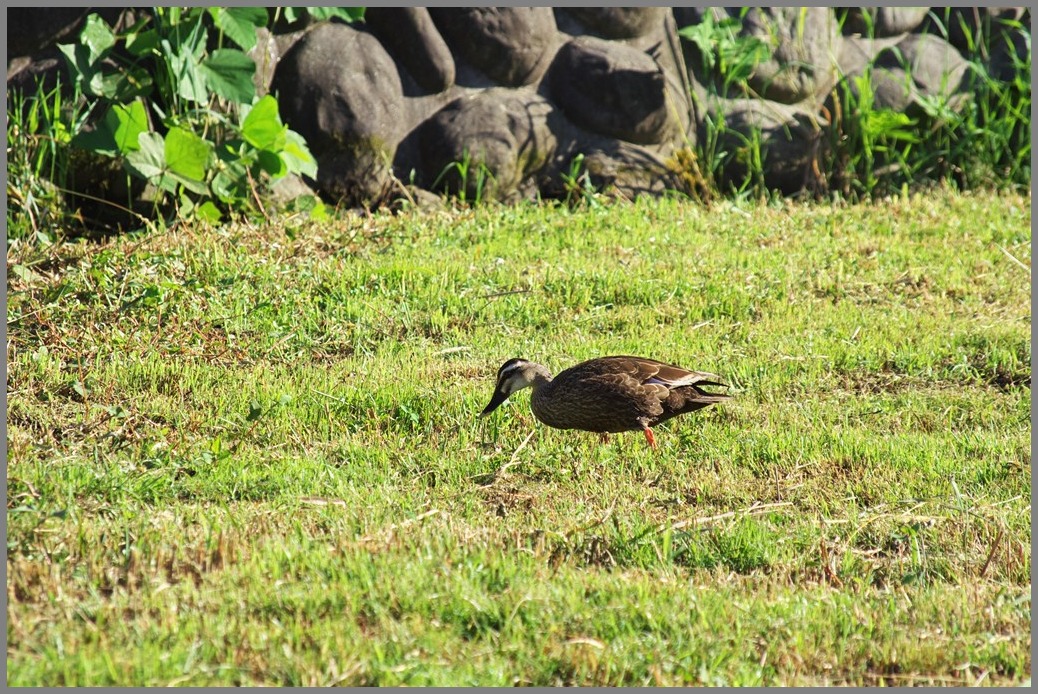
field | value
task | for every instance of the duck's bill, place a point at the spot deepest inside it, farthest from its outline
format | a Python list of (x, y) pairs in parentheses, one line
[(499, 397)]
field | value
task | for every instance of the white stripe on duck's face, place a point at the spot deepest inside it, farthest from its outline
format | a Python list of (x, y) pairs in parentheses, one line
[(516, 380), (514, 374)]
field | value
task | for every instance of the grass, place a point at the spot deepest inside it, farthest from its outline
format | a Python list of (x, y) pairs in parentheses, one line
[(250, 455)]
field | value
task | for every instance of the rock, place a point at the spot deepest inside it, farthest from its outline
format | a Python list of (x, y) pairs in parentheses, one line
[(801, 41), (920, 66), (341, 91), (655, 36), (881, 22), (43, 72), (855, 53), (618, 22), (415, 198), (511, 45), (289, 187), (265, 54), (411, 37), (612, 89), (503, 138), (625, 169), (791, 140)]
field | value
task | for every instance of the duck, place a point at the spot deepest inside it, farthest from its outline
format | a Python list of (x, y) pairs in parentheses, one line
[(608, 394)]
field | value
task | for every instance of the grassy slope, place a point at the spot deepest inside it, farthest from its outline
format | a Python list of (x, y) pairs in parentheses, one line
[(859, 514)]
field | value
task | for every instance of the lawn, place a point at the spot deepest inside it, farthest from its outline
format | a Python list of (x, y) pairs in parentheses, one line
[(250, 455)]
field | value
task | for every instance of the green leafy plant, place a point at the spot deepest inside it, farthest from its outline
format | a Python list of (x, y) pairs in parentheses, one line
[(181, 116), (346, 14)]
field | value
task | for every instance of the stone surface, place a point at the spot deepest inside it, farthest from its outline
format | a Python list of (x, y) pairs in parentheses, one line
[(341, 91), (618, 22), (881, 22), (1011, 48), (801, 41), (511, 45), (929, 66), (411, 37), (519, 93), (1007, 44), (855, 53), (265, 54), (612, 89), (505, 132), (792, 139), (626, 169)]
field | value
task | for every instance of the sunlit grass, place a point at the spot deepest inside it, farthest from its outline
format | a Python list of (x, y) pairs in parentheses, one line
[(250, 455)]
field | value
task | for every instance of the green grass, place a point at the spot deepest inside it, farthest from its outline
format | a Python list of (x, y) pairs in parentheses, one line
[(251, 456)]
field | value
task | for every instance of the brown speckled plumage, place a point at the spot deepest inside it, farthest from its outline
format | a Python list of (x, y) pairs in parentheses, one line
[(608, 394)]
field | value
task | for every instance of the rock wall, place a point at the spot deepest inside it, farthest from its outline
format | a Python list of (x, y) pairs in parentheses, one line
[(498, 102), (512, 94)]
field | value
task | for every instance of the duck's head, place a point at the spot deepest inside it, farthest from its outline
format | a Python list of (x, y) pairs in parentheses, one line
[(514, 375)]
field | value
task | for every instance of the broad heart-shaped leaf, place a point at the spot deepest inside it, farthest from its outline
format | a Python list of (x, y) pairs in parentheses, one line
[(346, 14), (208, 212), (231, 183), (97, 37), (149, 161), (228, 72), (132, 121), (86, 74), (187, 154), (126, 84), (117, 133), (100, 139), (141, 43), (262, 127), (296, 155), (272, 163), (239, 23)]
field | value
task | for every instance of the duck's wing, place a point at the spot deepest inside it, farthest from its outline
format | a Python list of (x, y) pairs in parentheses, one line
[(649, 371)]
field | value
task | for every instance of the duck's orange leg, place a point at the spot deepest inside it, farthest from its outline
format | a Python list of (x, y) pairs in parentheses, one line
[(603, 437), (650, 438)]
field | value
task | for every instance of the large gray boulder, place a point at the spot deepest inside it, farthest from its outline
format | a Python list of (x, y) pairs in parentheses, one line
[(609, 88), (910, 72), (792, 141), (340, 89), (519, 93), (511, 45), (881, 22), (490, 144), (620, 22), (802, 44), (409, 34)]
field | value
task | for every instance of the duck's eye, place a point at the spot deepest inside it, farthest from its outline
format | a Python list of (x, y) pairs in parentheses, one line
[(509, 372)]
